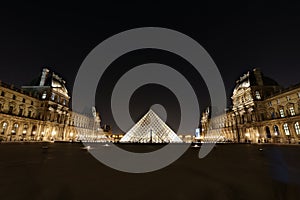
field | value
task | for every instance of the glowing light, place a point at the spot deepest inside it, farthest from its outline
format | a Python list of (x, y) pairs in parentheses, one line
[(53, 133)]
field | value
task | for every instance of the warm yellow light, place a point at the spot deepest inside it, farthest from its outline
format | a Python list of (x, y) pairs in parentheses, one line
[(71, 134), (53, 133)]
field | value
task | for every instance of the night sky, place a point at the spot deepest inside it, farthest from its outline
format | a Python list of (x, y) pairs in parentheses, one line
[(238, 37)]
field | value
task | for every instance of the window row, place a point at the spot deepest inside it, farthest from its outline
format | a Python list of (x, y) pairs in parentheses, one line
[(15, 129), (286, 130)]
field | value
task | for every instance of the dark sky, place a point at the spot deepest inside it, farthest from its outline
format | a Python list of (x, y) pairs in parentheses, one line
[(238, 36)]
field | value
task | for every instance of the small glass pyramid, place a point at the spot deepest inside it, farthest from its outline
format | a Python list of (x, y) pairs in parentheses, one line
[(150, 129)]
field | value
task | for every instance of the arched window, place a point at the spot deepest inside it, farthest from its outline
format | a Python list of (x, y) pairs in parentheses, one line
[(3, 127), (276, 130), (25, 127), (268, 132), (286, 129), (33, 132), (10, 110), (15, 129), (297, 128)]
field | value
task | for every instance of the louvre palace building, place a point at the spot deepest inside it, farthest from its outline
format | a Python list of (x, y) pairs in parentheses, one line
[(41, 112), (262, 112)]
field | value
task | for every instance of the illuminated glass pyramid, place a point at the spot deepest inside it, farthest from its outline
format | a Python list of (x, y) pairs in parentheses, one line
[(150, 129)]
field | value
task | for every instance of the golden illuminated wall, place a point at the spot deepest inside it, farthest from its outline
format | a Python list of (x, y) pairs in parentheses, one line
[(259, 114), (34, 114)]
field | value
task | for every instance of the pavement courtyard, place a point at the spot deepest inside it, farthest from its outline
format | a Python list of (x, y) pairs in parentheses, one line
[(231, 171)]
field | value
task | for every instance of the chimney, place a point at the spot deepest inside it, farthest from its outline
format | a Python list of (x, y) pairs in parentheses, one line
[(44, 76), (258, 76)]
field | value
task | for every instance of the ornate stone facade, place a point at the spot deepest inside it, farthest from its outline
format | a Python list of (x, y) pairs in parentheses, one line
[(40, 112), (262, 112)]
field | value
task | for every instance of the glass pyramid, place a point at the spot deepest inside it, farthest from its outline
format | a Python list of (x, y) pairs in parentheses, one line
[(150, 129)]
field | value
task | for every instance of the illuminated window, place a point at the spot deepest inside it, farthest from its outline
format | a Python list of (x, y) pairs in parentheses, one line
[(288, 98), (292, 111), (278, 101), (3, 128), (281, 111), (297, 128), (276, 130), (286, 129), (44, 95), (25, 129), (257, 95), (298, 94), (15, 129)]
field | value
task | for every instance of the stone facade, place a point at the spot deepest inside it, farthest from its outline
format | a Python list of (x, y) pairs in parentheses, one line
[(40, 112), (261, 112)]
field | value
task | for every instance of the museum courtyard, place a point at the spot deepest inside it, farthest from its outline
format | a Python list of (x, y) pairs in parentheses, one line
[(231, 171)]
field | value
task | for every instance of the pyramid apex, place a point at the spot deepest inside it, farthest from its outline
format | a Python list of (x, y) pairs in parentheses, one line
[(150, 110)]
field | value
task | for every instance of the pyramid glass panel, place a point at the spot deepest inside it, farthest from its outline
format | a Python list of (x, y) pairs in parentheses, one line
[(151, 129)]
